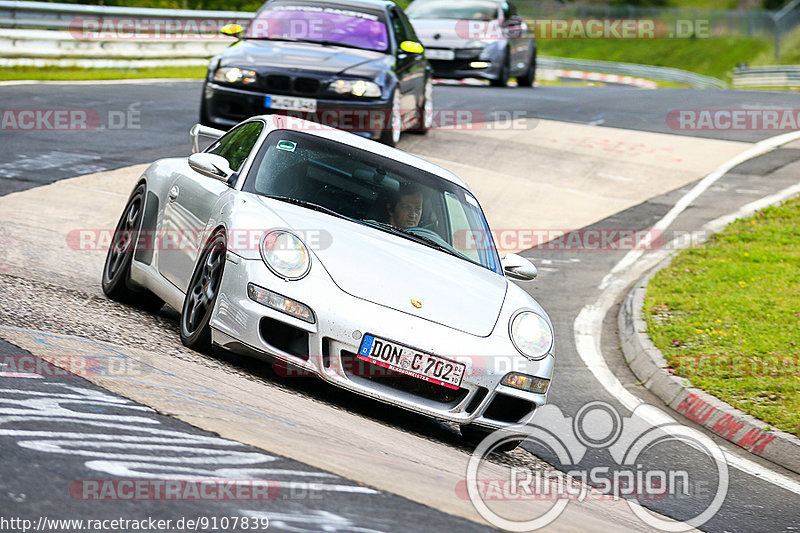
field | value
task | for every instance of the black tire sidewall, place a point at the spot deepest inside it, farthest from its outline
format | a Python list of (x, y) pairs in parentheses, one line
[(118, 285), (200, 339)]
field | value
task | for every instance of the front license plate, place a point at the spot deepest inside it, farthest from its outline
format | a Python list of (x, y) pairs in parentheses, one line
[(446, 55), (290, 103), (411, 362)]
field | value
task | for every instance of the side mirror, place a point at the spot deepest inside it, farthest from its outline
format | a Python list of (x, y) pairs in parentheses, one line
[(211, 165), (411, 47), (518, 268), (231, 30)]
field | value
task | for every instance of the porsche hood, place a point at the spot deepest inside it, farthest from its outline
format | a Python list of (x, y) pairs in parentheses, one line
[(395, 272)]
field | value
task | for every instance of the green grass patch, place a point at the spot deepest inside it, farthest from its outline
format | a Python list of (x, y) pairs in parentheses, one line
[(715, 56), (726, 315), (74, 73)]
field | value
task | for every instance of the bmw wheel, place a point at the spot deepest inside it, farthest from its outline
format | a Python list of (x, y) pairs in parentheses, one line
[(202, 294), (391, 136), (425, 113), (116, 280)]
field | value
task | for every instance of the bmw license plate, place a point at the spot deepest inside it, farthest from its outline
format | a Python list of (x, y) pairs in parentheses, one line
[(411, 362), (434, 53), (290, 103)]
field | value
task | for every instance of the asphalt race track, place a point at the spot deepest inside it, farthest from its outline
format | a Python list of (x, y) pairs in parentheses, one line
[(605, 159)]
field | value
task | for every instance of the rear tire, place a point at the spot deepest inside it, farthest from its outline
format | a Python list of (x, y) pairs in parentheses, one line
[(116, 280), (475, 434), (201, 295)]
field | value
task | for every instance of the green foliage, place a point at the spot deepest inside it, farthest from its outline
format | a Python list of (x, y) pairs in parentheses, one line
[(715, 56), (726, 315), (58, 73)]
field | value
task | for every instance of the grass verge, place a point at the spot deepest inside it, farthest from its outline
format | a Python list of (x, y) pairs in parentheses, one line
[(75, 73), (726, 315), (715, 56)]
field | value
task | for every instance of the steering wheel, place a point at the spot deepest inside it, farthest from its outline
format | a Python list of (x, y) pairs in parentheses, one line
[(425, 232)]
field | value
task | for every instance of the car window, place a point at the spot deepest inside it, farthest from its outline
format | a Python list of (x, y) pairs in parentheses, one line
[(373, 190), (235, 146), (400, 31), (447, 9), (307, 22)]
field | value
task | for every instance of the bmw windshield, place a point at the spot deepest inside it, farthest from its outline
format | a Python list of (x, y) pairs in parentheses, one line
[(325, 25), (373, 190)]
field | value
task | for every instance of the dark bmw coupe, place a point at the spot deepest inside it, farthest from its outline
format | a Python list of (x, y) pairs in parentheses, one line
[(352, 64)]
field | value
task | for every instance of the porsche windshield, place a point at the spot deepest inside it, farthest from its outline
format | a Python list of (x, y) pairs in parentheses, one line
[(373, 190), (327, 25)]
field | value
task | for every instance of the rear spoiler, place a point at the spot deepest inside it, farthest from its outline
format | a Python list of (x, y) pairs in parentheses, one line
[(199, 130)]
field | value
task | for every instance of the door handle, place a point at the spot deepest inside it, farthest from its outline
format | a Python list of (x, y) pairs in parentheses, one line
[(173, 193)]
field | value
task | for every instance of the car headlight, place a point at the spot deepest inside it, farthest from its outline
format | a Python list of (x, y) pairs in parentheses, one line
[(285, 255), (531, 335), (356, 88), (235, 75)]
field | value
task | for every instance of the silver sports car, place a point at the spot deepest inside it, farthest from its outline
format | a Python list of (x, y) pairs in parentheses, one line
[(337, 256)]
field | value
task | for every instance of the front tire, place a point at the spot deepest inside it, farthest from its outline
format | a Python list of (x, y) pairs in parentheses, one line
[(502, 78), (116, 280), (529, 77), (425, 113), (202, 293)]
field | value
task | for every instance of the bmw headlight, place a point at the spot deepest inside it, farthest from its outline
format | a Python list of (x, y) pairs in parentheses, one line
[(235, 75), (356, 88), (285, 254), (531, 335)]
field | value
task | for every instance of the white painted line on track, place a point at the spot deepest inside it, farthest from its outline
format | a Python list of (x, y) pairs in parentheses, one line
[(702, 186), (588, 323)]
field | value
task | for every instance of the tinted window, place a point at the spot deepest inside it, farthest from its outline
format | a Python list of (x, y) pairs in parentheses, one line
[(235, 146), (305, 22), (400, 32)]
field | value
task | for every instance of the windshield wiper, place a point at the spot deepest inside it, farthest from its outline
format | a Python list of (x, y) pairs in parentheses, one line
[(308, 205), (427, 241), (328, 43)]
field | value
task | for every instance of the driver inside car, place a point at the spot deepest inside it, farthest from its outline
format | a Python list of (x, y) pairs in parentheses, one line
[(405, 207)]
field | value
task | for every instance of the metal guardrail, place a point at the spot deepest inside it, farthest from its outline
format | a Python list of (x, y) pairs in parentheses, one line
[(57, 16), (769, 76), (633, 69)]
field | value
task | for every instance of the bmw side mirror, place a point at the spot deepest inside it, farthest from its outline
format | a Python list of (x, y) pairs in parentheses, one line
[(231, 30), (211, 165), (518, 268), (411, 47)]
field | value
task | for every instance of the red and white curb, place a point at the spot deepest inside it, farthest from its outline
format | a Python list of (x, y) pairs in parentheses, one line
[(560, 73), (606, 78), (648, 364)]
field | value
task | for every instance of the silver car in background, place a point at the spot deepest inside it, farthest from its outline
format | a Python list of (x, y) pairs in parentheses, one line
[(475, 39), (340, 257)]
